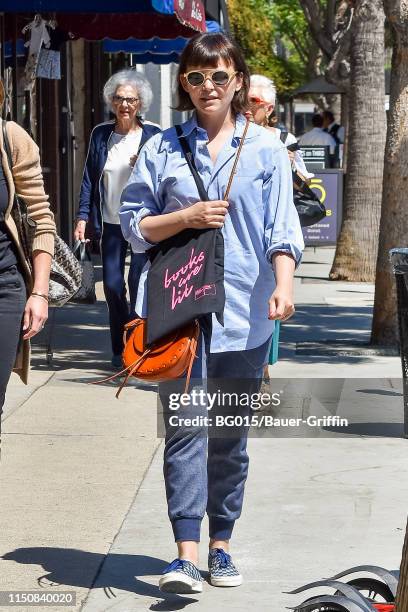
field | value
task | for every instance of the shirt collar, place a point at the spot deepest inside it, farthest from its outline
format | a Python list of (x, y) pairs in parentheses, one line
[(191, 124)]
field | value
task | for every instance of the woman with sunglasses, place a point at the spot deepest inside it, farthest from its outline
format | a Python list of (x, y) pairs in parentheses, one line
[(263, 243), (113, 148)]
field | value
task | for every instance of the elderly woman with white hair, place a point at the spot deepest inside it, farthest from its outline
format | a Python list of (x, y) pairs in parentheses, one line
[(262, 100), (113, 150)]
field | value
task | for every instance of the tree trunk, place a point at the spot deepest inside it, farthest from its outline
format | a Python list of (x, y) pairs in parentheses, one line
[(402, 593), (394, 213), (357, 246)]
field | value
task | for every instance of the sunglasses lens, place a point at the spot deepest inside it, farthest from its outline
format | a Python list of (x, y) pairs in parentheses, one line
[(220, 77), (195, 78)]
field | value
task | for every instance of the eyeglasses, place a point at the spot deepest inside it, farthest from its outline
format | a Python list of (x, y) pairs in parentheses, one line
[(217, 77), (256, 100), (121, 100)]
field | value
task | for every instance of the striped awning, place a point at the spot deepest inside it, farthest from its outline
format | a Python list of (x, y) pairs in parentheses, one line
[(96, 20)]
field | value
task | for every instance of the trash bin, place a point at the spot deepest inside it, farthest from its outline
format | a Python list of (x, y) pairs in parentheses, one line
[(399, 260)]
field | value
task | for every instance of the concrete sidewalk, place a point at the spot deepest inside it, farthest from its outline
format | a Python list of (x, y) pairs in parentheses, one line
[(82, 497)]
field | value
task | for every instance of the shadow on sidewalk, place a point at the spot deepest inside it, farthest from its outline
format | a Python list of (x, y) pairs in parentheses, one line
[(69, 567), (321, 323), (78, 335)]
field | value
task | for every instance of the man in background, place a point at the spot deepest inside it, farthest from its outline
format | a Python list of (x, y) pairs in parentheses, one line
[(317, 137), (331, 127)]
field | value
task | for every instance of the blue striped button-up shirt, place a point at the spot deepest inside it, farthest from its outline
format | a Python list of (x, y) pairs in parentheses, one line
[(261, 218)]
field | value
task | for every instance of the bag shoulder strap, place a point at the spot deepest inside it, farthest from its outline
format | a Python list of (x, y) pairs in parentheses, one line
[(190, 160), (19, 203), (6, 144), (284, 136), (303, 187)]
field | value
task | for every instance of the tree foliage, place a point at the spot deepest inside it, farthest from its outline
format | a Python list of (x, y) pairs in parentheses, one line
[(274, 37), (329, 23), (293, 30)]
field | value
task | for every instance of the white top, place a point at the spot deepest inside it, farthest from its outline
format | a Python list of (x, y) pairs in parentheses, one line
[(319, 138), (299, 162), (117, 171)]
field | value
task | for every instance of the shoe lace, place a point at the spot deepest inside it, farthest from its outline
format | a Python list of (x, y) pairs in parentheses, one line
[(177, 564), (223, 559)]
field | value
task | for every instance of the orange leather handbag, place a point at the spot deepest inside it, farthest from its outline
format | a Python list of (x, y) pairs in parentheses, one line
[(167, 359)]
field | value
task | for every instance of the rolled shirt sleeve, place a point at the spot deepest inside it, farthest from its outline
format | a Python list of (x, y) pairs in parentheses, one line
[(139, 199), (283, 232)]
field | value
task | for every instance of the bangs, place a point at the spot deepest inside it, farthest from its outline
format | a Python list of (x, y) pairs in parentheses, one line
[(207, 53)]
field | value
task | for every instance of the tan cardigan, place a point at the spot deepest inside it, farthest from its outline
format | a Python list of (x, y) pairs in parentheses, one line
[(29, 185)]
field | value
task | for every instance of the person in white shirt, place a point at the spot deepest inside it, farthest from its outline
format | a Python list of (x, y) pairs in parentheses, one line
[(262, 100), (317, 137), (331, 127)]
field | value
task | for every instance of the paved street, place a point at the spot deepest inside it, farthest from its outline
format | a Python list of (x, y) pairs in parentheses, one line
[(82, 501)]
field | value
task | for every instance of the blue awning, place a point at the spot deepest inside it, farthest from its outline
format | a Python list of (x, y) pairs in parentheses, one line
[(166, 7), (213, 26), (157, 58), (155, 50), (153, 45)]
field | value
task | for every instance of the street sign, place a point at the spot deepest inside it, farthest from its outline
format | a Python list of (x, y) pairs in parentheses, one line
[(328, 186), (316, 157)]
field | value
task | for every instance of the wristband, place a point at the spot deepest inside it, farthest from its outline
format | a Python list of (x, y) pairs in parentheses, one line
[(40, 295)]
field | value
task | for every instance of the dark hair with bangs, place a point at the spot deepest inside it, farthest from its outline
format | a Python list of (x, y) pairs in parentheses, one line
[(207, 50)]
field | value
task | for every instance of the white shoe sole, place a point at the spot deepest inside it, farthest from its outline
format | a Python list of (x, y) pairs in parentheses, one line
[(226, 581), (175, 582)]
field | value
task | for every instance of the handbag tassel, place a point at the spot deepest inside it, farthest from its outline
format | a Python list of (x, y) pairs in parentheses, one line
[(130, 370)]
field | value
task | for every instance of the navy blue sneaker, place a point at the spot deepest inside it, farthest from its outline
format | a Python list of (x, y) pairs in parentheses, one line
[(223, 572), (181, 576)]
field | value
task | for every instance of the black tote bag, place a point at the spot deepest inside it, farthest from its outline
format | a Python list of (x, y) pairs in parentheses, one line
[(309, 208), (185, 281), (186, 277)]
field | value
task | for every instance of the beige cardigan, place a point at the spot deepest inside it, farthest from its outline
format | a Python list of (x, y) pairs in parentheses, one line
[(29, 185)]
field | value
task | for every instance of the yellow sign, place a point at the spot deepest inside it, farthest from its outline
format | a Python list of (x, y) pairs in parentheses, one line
[(317, 183)]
